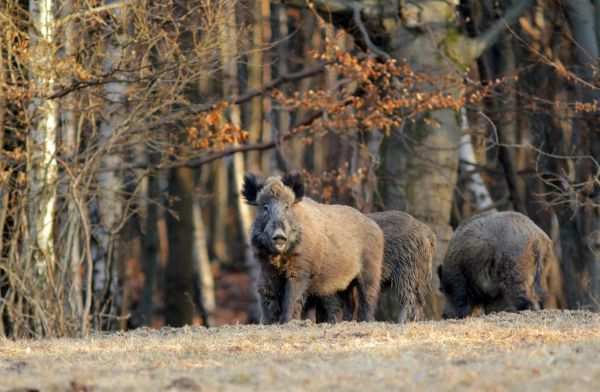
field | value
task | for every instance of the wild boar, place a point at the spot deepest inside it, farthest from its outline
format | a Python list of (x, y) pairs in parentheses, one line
[(409, 247), (408, 254), (495, 260), (310, 248)]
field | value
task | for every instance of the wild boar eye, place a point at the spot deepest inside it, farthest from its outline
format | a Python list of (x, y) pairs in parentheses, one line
[(266, 207)]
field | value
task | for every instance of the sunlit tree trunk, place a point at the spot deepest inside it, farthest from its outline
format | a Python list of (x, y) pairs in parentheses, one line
[(325, 143), (221, 208), (468, 169), (283, 120), (42, 142), (203, 273), (267, 133), (229, 49), (255, 81)]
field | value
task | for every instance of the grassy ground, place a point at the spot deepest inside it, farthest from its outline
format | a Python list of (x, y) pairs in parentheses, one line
[(545, 351)]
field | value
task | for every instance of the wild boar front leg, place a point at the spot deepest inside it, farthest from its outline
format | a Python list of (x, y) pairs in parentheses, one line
[(270, 286), (294, 291)]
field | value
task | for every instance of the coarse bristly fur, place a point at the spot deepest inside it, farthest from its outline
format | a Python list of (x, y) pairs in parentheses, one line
[(407, 262), (308, 248), (495, 260)]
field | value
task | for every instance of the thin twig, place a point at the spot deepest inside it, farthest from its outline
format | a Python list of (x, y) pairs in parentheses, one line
[(197, 162), (282, 79)]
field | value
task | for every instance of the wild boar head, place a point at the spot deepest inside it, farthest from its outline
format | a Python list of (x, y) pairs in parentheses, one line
[(453, 286), (275, 230)]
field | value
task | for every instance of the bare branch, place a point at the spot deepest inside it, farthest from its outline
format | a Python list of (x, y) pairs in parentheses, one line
[(464, 50), (326, 6), (249, 147), (365, 34), (491, 35), (234, 100), (91, 11), (197, 162), (282, 79)]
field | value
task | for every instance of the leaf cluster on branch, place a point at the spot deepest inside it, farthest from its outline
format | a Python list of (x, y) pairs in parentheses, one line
[(377, 95)]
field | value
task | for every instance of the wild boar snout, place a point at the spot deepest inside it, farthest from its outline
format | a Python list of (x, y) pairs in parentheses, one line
[(279, 239)]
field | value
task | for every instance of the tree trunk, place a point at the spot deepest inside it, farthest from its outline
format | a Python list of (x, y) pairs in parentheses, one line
[(505, 120), (150, 252), (203, 273), (581, 18), (110, 203), (283, 120), (229, 49), (3, 187), (42, 141), (466, 154), (179, 274), (73, 256), (256, 80), (221, 209), (267, 132)]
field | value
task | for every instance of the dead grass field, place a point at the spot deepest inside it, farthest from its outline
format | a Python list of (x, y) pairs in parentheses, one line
[(543, 351)]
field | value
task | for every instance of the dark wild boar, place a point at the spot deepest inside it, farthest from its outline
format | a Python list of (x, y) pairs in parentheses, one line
[(307, 248), (495, 260), (407, 261)]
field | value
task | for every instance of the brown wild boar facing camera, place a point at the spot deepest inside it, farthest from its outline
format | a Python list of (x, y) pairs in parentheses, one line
[(307, 248), (495, 260)]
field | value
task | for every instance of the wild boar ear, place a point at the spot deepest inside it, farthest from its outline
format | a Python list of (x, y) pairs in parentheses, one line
[(250, 188), (294, 181)]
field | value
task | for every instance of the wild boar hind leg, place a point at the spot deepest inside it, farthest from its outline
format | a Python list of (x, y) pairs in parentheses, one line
[(328, 309), (368, 294)]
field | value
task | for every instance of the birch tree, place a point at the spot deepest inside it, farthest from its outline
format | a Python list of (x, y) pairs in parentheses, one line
[(468, 162), (110, 186), (42, 143)]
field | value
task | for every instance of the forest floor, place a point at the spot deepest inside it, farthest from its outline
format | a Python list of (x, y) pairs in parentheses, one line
[(545, 351)]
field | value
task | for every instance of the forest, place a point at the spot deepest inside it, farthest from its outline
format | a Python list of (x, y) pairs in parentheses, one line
[(126, 129)]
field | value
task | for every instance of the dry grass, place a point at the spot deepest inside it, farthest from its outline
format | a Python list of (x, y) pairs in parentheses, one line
[(543, 351)]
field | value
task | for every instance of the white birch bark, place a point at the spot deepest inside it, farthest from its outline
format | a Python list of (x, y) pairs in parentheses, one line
[(468, 168), (110, 187), (42, 143)]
